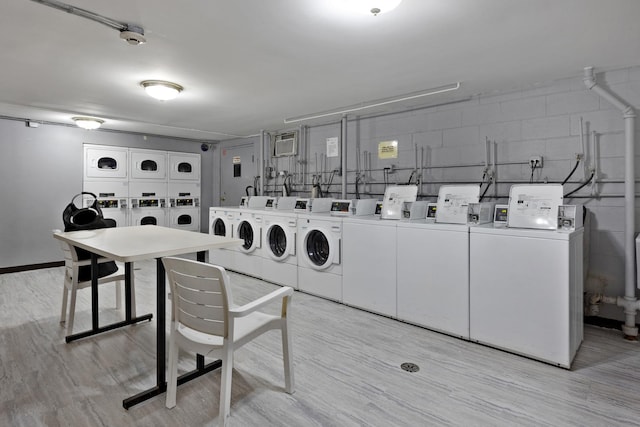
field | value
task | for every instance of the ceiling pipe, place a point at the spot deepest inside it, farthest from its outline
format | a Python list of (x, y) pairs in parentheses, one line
[(629, 302)]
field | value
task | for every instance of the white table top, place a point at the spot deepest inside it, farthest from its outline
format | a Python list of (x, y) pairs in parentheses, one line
[(141, 242)]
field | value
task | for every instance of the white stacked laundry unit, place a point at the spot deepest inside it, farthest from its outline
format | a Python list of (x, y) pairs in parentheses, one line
[(106, 174), (184, 191), (148, 187)]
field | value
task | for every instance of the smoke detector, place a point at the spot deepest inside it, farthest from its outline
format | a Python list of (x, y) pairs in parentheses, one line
[(133, 35)]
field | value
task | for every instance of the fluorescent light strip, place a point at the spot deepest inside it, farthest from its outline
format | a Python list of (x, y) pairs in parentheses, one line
[(378, 103)]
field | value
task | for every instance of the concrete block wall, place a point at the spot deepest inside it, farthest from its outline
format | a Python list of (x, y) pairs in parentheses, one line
[(542, 121)]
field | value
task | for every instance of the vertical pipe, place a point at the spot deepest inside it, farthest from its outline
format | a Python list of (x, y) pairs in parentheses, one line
[(343, 146), (629, 302), (262, 166)]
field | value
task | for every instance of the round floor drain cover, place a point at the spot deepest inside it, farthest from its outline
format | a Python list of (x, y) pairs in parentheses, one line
[(410, 367)]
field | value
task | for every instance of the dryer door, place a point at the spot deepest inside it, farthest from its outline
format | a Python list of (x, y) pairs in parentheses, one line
[(148, 164), (320, 249), (280, 241), (248, 232)]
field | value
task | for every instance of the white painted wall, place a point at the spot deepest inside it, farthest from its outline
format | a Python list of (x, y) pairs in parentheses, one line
[(539, 121), (41, 170)]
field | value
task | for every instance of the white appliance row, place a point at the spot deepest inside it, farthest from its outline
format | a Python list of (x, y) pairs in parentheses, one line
[(103, 162), (519, 290)]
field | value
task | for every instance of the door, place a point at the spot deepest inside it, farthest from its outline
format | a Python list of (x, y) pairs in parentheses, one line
[(237, 172)]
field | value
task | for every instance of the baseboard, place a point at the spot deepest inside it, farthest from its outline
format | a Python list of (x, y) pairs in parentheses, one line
[(19, 268), (604, 323)]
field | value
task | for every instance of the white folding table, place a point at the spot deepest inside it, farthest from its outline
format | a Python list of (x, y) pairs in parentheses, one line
[(137, 243)]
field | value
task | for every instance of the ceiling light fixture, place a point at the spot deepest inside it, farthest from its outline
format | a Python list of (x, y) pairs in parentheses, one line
[(375, 7), (88, 123), (161, 90), (376, 103)]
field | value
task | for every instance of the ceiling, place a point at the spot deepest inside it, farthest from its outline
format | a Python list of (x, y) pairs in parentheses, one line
[(246, 65)]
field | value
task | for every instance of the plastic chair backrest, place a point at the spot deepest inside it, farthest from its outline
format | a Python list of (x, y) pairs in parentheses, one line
[(200, 296)]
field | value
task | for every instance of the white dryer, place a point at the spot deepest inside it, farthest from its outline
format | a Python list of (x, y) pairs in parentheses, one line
[(369, 270), (147, 164), (279, 261), (113, 199), (103, 162), (319, 255), (148, 211), (184, 208), (184, 167), (248, 227), (221, 221)]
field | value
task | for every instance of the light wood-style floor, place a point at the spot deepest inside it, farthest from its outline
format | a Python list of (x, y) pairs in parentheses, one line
[(347, 370)]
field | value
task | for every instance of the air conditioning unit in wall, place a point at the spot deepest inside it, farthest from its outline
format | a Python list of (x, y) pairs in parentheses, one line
[(285, 144)]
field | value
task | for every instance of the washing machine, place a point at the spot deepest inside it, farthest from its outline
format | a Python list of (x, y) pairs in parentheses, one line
[(184, 167), (113, 198), (369, 263), (433, 276), (247, 258), (319, 255), (103, 162), (221, 221), (526, 284), (147, 164), (148, 210), (279, 256)]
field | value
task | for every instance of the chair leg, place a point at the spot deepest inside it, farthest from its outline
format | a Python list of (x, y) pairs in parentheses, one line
[(172, 383), (63, 311), (225, 384), (72, 309), (287, 355)]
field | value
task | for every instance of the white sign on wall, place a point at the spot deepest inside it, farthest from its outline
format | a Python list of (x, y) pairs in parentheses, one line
[(333, 147)]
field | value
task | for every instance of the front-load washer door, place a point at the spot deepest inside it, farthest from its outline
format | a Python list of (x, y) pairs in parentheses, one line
[(320, 250), (280, 243), (250, 234), (220, 227)]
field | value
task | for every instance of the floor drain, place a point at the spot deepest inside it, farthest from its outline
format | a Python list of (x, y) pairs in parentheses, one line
[(410, 367)]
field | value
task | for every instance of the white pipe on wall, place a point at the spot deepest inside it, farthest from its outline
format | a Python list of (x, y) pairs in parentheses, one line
[(629, 302), (262, 167)]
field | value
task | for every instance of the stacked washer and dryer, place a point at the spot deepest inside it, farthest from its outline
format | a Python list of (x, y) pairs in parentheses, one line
[(142, 187)]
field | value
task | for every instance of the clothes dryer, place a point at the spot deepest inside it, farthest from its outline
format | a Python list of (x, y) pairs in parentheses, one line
[(112, 197), (184, 207), (319, 255), (147, 164), (369, 266), (221, 221), (148, 211), (103, 162), (184, 167), (280, 261)]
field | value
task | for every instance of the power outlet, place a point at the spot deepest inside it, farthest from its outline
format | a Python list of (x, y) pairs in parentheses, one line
[(535, 162)]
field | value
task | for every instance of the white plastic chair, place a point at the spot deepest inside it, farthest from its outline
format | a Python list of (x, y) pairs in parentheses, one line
[(71, 283), (205, 321)]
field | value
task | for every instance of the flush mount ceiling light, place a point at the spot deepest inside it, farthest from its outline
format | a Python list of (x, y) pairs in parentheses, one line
[(161, 90), (375, 7), (89, 123)]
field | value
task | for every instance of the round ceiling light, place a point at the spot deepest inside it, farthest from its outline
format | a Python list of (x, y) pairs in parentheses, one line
[(89, 123), (375, 7), (161, 90)]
